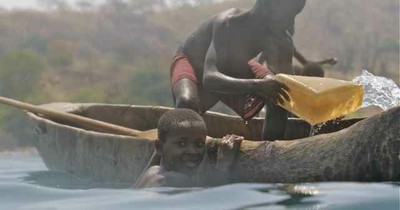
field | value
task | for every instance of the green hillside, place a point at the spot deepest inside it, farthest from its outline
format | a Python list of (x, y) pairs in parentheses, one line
[(117, 54)]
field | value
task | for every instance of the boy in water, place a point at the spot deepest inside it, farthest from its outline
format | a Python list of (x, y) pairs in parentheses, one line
[(181, 145)]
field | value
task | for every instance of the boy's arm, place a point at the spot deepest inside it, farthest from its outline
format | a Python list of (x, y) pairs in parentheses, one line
[(217, 169), (154, 161), (156, 177), (304, 61), (300, 57), (150, 178), (227, 152)]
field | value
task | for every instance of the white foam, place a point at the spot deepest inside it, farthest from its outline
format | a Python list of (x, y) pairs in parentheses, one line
[(378, 91)]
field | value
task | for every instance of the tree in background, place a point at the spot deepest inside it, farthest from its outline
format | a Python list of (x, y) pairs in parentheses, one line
[(54, 4), (149, 84), (20, 72), (121, 51)]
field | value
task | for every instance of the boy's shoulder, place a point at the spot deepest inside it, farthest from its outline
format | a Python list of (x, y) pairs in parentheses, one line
[(151, 178), (154, 170)]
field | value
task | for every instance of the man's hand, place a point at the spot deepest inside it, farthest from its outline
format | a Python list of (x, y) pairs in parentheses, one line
[(268, 89), (272, 90)]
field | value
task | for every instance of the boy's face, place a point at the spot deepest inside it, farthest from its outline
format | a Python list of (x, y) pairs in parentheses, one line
[(183, 149)]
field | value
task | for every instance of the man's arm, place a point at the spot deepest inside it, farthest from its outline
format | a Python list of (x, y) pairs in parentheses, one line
[(216, 81)]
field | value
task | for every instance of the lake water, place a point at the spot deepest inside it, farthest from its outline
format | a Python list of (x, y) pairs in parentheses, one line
[(25, 183)]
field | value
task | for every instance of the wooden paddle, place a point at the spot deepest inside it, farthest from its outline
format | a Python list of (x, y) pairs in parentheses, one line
[(95, 125), (85, 122)]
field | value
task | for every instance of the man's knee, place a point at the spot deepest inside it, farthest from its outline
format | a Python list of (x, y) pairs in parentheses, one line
[(186, 94), (188, 102)]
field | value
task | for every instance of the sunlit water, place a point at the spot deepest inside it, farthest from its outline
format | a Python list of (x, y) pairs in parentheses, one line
[(315, 129), (26, 184), (379, 91)]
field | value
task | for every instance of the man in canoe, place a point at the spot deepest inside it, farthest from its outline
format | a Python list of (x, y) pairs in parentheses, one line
[(181, 144), (215, 63)]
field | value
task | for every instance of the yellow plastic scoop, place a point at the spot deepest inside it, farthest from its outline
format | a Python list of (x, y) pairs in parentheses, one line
[(318, 100)]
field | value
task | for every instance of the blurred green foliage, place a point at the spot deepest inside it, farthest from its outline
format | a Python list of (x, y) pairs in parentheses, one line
[(150, 84), (88, 95), (120, 52), (36, 44), (20, 72)]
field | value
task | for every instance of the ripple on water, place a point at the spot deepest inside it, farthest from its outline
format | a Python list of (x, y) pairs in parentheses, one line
[(34, 188)]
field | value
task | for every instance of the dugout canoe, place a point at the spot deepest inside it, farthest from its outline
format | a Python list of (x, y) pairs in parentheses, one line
[(106, 157)]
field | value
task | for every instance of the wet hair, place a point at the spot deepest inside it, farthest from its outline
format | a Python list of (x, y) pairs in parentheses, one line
[(178, 118)]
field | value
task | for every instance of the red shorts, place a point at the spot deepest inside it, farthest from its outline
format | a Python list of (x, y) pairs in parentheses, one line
[(181, 68), (245, 105)]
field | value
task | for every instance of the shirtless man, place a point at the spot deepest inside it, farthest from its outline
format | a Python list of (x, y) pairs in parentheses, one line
[(213, 63), (181, 147)]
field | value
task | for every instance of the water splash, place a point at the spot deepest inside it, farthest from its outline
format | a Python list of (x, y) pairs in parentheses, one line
[(378, 91), (315, 129)]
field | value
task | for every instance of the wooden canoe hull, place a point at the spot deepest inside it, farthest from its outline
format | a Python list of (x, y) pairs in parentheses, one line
[(116, 158)]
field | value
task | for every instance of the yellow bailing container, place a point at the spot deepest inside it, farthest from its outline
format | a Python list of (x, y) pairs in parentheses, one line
[(318, 100)]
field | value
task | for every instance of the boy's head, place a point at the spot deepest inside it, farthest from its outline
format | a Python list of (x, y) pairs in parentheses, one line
[(181, 140), (313, 70)]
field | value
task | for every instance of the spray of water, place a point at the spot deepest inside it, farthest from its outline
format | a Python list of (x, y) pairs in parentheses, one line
[(378, 91), (315, 129)]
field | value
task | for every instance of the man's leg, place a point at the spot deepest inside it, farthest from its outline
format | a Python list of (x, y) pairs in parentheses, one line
[(185, 93), (274, 123)]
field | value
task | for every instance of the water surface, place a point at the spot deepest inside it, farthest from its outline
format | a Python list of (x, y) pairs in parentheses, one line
[(25, 183)]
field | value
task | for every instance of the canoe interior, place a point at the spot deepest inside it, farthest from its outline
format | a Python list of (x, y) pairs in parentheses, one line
[(146, 117)]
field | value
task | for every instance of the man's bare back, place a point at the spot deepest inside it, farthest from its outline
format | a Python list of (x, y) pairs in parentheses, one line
[(219, 52)]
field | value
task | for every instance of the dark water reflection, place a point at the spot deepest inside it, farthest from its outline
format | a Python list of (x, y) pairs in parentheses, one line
[(63, 180), (257, 196), (25, 184)]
